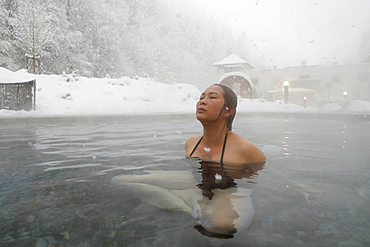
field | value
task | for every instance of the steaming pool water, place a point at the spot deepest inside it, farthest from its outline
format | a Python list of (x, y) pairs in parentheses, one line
[(56, 190)]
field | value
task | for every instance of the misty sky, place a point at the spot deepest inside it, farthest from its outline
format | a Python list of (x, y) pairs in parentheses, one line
[(285, 32)]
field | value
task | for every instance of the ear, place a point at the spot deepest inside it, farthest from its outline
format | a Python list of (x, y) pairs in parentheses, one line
[(228, 112)]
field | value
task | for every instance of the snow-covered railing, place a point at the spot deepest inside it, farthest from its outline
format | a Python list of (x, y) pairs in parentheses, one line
[(18, 95)]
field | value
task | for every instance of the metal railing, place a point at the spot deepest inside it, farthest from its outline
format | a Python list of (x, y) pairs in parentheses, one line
[(18, 96)]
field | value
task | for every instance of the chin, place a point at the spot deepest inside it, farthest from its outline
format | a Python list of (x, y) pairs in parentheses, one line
[(200, 116)]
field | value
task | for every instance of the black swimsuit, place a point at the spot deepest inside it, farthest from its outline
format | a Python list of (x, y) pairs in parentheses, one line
[(214, 177), (223, 149)]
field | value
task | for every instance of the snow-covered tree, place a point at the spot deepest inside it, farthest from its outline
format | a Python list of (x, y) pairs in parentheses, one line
[(5, 37), (32, 27)]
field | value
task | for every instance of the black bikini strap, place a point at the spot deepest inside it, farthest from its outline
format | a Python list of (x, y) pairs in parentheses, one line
[(196, 146), (223, 151)]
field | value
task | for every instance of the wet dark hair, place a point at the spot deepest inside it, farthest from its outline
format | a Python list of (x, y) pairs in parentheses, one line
[(231, 102)]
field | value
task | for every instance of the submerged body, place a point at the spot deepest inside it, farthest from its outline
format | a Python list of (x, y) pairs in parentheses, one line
[(208, 193)]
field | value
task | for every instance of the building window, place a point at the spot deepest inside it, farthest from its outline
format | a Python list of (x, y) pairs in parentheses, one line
[(236, 87)]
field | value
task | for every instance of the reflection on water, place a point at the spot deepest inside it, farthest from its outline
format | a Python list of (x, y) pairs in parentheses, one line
[(286, 139), (344, 136), (209, 192), (56, 190)]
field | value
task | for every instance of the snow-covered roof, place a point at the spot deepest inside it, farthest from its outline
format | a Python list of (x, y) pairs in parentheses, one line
[(240, 74), (230, 60)]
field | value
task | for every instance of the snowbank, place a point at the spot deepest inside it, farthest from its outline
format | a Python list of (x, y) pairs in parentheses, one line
[(79, 96), (69, 95)]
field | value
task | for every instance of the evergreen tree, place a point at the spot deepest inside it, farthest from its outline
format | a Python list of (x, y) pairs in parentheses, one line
[(6, 41), (32, 27)]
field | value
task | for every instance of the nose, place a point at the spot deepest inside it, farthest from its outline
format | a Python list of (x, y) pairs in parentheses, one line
[(202, 101)]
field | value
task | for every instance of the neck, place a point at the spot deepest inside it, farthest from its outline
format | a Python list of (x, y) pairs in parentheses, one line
[(214, 135)]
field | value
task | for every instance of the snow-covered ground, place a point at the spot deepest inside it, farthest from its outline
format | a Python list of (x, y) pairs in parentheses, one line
[(67, 95)]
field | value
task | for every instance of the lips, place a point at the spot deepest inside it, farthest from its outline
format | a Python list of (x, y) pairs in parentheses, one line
[(201, 109)]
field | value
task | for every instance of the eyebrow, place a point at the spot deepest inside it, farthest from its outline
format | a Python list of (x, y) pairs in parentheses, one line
[(210, 93)]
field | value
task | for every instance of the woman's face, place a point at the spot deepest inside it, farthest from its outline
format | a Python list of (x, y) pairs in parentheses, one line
[(210, 104)]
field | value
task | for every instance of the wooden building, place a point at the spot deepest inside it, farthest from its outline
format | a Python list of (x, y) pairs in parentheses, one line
[(232, 77), (321, 83)]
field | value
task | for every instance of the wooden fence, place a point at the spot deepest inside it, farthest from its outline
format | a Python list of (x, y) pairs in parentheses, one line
[(18, 96)]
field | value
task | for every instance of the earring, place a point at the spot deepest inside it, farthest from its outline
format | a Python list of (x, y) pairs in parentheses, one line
[(227, 108)]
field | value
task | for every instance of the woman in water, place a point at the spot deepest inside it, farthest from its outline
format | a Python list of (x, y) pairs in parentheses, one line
[(209, 194), (216, 110), (225, 156)]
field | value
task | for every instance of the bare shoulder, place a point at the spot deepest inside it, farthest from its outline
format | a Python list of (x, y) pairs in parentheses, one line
[(247, 150), (190, 143)]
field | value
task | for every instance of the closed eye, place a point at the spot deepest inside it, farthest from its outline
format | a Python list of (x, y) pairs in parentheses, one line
[(211, 95)]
